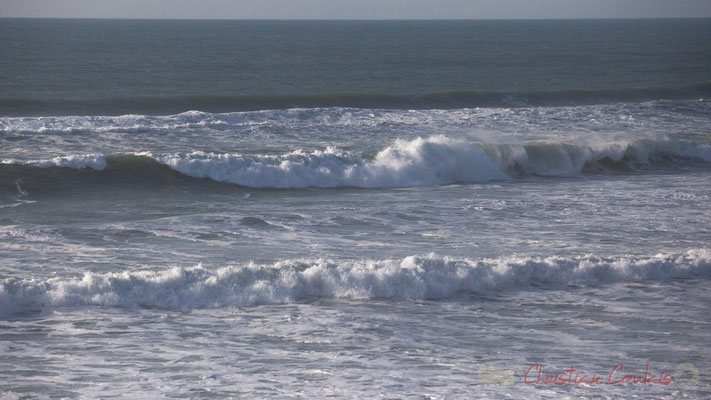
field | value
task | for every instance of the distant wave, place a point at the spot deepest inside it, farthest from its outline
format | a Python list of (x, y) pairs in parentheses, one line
[(429, 277), (435, 160), (93, 161), (433, 100)]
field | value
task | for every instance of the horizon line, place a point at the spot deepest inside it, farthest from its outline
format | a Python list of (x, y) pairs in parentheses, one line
[(360, 19)]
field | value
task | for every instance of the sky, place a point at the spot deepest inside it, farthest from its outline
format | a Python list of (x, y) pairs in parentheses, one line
[(355, 9)]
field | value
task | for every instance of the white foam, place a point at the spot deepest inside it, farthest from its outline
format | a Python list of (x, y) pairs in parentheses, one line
[(426, 161), (429, 277), (433, 160), (420, 162), (304, 123)]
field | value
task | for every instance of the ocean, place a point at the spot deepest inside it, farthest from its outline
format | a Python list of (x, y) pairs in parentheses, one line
[(355, 209)]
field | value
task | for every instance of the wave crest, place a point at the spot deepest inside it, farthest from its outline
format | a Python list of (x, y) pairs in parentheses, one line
[(420, 162), (435, 160), (429, 277)]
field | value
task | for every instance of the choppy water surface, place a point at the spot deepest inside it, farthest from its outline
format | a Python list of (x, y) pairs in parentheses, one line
[(428, 221)]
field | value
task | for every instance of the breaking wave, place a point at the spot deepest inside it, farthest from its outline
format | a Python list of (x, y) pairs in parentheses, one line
[(428, 161), (429, 277)]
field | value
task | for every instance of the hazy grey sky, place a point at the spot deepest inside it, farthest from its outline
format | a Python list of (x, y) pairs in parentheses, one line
[(355, 9)]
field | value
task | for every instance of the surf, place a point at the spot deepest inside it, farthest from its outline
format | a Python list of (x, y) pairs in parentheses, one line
[(424, 161), (428, 277)]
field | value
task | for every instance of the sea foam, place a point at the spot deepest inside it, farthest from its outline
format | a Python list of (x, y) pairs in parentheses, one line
[(434, 160), (420, 162), (415, 277)]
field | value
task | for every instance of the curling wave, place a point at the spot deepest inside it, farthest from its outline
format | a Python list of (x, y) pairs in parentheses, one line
[(428, 277), (428, 161)]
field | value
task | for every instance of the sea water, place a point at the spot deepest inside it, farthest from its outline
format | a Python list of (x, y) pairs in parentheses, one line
[(354, 209)]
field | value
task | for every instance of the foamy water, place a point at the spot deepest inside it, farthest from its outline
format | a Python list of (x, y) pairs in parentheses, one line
[(416, 278), (355, 209), (435, 160)]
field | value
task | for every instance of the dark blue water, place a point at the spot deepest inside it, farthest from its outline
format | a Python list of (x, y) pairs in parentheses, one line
[(166, 67)]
